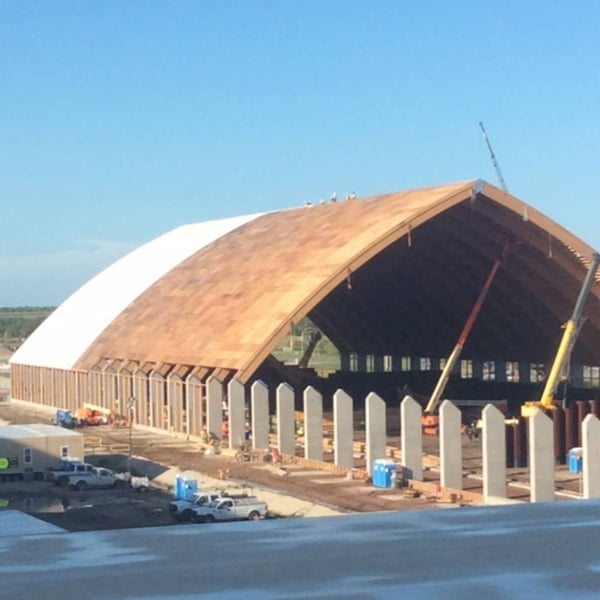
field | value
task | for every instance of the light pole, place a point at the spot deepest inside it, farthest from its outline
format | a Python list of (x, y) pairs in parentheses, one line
[(130, 408)]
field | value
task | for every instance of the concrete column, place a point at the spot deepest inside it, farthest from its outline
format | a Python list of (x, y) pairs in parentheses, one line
[(157, 398), (450, 446), (378, 366), (343, 430), (362, 363), (286, 432), (236, 406), (344, 361), (141, 389), (411, 438), (590, 432), (524, 372), (194, 405), (175, 402), (214, 407), (541, 457), (494, 454), (313, 424), (375, 429), (576, 375), (500, 371), (260, 415)]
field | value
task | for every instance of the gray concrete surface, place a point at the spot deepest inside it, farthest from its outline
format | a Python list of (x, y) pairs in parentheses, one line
[(544, 550)]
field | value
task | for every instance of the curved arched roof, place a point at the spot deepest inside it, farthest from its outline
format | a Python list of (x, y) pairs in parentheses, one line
[(391, 274)]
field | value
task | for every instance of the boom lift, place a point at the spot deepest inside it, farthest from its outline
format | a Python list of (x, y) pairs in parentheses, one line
[(572, 328), (430, 419)]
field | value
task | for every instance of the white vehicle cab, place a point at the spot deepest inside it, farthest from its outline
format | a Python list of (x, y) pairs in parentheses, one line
[(70, 468), (95, 478), (231, 509), (182, 510)]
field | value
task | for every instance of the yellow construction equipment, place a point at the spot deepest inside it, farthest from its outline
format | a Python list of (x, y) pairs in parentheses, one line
[(572, 328)]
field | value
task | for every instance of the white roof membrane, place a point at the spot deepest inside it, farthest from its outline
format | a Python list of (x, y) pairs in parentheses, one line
[(68, 332)]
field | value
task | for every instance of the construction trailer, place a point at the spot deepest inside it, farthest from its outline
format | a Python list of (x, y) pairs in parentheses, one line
[(28, 452)]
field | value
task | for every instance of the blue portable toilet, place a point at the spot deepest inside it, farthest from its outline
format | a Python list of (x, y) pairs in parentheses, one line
[(185, 489), (575, 460), (384, 472)]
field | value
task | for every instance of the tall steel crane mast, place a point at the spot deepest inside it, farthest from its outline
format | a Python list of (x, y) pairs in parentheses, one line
[(493, 156)]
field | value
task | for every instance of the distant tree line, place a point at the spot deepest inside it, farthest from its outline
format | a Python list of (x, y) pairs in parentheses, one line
[(19, 322)]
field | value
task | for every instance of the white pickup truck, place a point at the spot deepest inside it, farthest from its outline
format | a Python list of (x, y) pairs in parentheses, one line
[(181, 510), (231, 509), (61, 476), (101, 478)]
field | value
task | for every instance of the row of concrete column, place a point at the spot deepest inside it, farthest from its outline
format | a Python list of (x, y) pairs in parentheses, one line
[(541, 436)]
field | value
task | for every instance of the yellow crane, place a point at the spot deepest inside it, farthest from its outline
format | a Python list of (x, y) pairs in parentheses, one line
[(572, 328)]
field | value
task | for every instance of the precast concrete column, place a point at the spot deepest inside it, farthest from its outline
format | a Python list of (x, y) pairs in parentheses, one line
[(411, 438), (214, 407), (343, 430), (450, 446), (375, 424), (313, 424), (259, 394), (194, 394), (286, 427), (494, 454), (541, 457), (236, 407), (590, 432)]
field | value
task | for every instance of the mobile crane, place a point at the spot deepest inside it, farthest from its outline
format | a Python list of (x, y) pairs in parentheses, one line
[(430, 420), (571, 330)]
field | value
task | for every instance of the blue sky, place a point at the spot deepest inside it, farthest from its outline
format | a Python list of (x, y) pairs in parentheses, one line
[(121, 120)]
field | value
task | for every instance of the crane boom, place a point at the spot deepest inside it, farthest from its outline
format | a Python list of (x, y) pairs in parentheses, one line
[(572, 328), (493, 156), (462, 338)]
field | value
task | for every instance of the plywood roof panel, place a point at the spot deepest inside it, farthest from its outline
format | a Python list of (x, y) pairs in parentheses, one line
[(390, 274)]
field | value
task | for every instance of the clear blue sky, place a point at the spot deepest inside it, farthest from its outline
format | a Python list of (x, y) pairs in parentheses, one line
[(120, 120)]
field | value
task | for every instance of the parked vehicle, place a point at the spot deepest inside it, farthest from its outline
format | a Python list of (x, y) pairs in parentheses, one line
[(64, 418), (90, 415), (96, 478), (102, 478), (231, 509), (182, 510), (68, 469)]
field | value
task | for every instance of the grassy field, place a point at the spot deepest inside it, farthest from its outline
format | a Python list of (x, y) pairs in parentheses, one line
[(17, 323)]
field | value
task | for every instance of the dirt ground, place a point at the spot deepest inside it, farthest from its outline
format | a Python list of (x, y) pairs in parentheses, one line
[(89, 510), (154, 452)]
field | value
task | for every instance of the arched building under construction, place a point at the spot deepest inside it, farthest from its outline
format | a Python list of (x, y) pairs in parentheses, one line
[(389, 280)]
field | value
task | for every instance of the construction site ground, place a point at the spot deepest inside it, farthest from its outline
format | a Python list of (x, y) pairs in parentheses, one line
[(292, 489)]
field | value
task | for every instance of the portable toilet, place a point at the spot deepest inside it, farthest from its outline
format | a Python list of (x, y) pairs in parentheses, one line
[(185, 489), (575, 460), (384, 472)]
